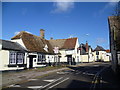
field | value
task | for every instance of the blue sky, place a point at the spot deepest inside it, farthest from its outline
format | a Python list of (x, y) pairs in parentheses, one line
[(87, 21)]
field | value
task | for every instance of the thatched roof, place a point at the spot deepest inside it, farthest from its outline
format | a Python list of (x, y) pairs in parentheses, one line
[(64, 43), (34, 43)]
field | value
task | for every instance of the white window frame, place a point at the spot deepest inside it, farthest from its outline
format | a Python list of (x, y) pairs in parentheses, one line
[(12, 56), (39, 57), (20, 57)]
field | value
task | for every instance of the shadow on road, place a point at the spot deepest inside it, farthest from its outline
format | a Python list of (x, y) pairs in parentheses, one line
[(110, 79), (79, 84)]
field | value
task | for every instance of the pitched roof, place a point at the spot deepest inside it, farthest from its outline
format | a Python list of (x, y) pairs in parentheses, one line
[(34, 43), (108, 51), (64, 43), (99, 48), (57, 43), (8, 45), (83, 48), (69, 43)]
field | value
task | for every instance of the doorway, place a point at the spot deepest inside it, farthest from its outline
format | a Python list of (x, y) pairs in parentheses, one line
[(31, 60), (69, 59)]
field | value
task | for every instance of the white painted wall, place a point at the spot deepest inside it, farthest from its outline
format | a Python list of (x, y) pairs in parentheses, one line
[(102, 55), (77, 54), (84, 58), (63, 56), (4, 61), (74, 54)]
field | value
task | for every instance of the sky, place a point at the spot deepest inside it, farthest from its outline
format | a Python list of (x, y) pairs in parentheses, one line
[(86, 20)]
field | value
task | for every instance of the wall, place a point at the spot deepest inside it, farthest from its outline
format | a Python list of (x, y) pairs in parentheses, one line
[(77, 54), (84, 58), (5, 61), (63, 57), (49, 58), (102, 56), (91, 57)]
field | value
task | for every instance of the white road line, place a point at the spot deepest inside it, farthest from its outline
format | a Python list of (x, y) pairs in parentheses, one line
[(49, 80), (35, 87), (52, 82), (96, 65), (60, 72), (58, 83), (90, 74), (33, 79), (13, 85), (96, 77)]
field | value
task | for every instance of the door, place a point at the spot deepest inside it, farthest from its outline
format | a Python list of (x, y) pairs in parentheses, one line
[(31, 60), (69, 59)]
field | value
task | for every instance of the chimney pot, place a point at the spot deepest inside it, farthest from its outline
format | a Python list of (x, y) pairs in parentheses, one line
[(86, 47), (51, 38)]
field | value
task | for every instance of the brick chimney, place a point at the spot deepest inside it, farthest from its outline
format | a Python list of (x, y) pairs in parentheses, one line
[(86, 47), (51, 38), (42, 33)]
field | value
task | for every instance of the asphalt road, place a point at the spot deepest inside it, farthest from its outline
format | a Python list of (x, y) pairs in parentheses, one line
[(90, 76)]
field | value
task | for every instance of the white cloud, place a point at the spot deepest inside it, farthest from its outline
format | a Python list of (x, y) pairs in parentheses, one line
[(87, 34), (107, 6), (63, 6), (111, 3), (72, 35)]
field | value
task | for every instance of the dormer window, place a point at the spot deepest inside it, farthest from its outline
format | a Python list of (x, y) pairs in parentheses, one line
[(46, 48), (56, 49)]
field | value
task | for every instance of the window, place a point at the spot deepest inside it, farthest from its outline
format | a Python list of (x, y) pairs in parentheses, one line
[(16, 58), (12, 57), (20, 58), (78, 58), (41, 58), (97, 53), (77, 50)]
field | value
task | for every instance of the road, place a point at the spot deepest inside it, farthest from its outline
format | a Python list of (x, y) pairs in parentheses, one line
[(90, 76)]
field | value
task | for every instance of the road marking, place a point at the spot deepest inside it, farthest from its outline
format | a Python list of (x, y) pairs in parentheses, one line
[(52, 82), (49, 80), (86, 73), (96, 65), (13, 85), (60, 72), (90, 74), (95, 79), (58, 83), (33, 79), (35, 87)]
